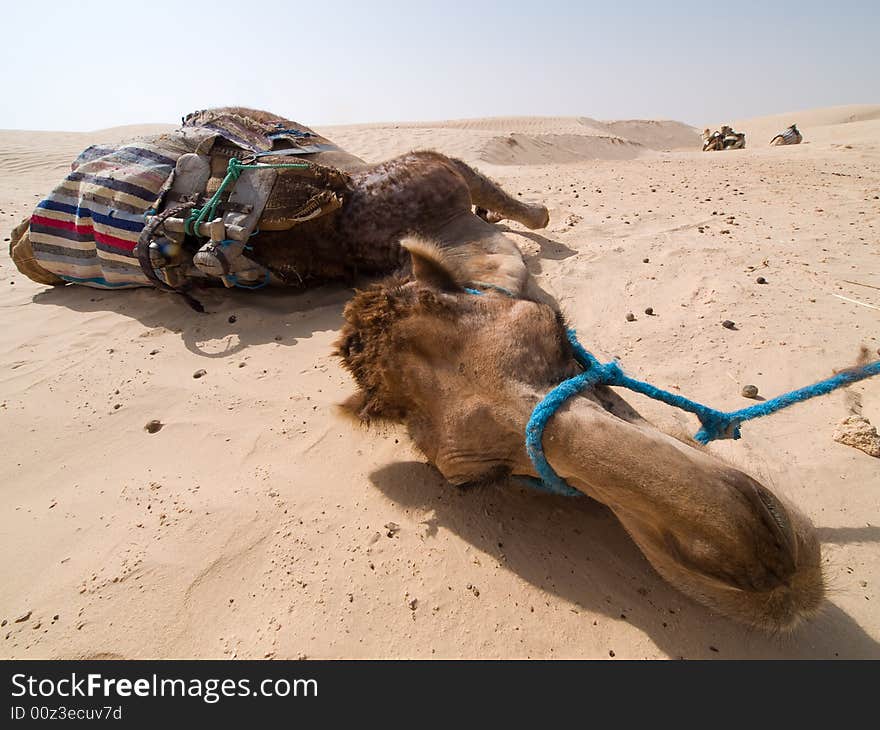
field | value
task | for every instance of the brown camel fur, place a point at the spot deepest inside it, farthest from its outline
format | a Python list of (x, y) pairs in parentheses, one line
[(421, 193), (464, 372)]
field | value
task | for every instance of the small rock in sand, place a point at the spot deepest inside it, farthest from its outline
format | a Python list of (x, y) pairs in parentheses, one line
[(630, 317), (413, 604), (232, 319), (728, 324), (393, 528), (858, 432), (200, 373), (750, 391), (761, 280), (153, 426), (23, 617), (649, 311)]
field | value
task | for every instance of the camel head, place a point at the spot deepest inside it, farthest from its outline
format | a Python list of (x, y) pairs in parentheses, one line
[(464, 372)]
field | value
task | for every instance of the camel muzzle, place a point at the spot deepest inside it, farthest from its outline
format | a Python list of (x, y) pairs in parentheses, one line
[(712, 531)]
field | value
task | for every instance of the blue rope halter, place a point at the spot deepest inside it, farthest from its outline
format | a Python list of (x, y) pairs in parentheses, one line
[(715, 424)]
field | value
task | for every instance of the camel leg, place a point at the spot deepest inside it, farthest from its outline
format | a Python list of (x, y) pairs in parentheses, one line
[(481, 253), (498, 204)]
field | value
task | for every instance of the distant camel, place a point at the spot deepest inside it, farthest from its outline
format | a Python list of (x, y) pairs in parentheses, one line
[(712, 141), (726, 139), (792, 135)]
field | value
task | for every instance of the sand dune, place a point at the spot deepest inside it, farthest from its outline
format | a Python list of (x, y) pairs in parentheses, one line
[(548, 149), (520, 140), (253, 523), (656, 135)]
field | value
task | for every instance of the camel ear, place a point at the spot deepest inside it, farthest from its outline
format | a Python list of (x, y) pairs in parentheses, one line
[(430, 265)]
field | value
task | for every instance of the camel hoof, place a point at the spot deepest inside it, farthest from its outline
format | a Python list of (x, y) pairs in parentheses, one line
[(540, 219)]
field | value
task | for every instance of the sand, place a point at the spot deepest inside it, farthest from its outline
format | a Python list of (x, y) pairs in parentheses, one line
[(255, 522)]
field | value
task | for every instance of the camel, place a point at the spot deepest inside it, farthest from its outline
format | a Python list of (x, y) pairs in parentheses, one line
[(712, 141), (733, 140), (726, 139), (791, 135), (464, 371), (367, 208)]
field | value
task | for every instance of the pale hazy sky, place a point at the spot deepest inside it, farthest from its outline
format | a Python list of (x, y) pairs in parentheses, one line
[(94, 64)]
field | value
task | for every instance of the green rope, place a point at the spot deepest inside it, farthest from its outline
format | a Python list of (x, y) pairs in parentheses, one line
[(198, 216)]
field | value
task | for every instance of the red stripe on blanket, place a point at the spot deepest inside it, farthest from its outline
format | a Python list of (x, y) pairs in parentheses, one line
[(100, 237)]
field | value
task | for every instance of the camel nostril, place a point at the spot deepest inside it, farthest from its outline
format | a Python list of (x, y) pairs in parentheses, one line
[(780, 545), (775, 516)]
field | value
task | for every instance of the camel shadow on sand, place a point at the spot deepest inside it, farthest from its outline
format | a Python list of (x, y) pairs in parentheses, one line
[(577, 550), (275, 314), (869, 533), (549, 248), (283, 316)]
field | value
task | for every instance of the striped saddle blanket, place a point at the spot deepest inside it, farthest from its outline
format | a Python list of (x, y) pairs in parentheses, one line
[(86, 229), (791, 135)]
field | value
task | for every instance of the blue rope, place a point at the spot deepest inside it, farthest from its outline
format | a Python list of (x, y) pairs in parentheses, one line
[(493, 287), (715, 424)]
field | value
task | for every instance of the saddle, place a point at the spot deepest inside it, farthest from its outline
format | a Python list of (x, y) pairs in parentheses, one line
[(174, 208)]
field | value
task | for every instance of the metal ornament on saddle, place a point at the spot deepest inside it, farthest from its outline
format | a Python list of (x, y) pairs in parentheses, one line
[(161, 250), (251, 192)]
